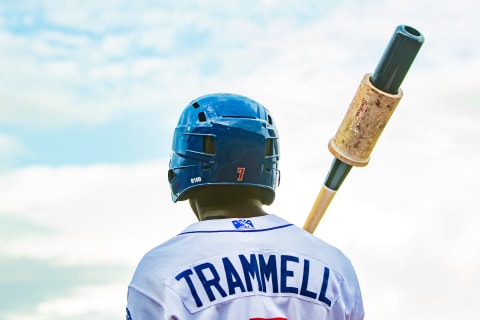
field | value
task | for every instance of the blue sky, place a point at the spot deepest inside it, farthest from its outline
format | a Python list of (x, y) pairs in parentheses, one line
[(90, 92), (86, 78)]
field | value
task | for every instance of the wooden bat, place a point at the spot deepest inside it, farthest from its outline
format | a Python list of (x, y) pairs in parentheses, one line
[(371, 108)]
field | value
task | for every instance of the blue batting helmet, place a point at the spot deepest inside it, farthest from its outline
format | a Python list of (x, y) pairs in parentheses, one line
[(224, 139)]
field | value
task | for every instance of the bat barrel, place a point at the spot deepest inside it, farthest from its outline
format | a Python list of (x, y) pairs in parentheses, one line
[(354, 141), (397, 59)]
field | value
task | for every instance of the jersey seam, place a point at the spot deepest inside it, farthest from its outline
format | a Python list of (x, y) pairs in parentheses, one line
[(146, 295), (243, 230)]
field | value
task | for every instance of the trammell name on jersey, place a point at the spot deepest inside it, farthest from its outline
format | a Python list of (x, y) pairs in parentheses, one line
[(271, 273)]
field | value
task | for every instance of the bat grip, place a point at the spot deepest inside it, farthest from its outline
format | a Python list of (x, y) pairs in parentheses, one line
[(338, 172)]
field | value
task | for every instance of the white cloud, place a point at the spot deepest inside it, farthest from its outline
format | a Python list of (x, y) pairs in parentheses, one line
[(100, 71), (87, 300), (408, 220), (408, 212), (397, 218), (123, 206), (103, 301), (84, 72)]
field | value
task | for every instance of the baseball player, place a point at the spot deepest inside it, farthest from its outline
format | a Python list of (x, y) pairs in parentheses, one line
[(237, 262)]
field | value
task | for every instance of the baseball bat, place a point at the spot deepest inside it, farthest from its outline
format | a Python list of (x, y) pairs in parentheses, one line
[(372, 106)]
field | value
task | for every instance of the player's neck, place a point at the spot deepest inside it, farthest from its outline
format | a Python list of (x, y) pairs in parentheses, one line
[(247, 209)]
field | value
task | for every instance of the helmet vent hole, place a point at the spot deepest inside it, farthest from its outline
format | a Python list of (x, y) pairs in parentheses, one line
[(195, 105), (270, 121), (171, 175), (202, 117), (208, 145), (269, 147)]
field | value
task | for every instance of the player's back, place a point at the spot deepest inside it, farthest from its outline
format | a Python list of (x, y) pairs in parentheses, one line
[(258, 268)]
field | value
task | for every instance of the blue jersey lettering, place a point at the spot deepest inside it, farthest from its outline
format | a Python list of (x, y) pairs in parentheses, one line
[(322, 296), (218, 279), (268, 271), (209, 283), (251, 271), (285, 273), (233, 278), (304, 289)]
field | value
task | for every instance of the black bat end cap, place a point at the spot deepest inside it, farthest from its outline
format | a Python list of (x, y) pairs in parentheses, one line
[(397, 59)]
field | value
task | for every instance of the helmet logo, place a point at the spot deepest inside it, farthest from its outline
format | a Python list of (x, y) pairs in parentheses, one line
[(241, 172), (196, 180)]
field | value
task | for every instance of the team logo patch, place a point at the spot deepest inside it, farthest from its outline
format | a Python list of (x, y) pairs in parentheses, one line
[(243, 224)]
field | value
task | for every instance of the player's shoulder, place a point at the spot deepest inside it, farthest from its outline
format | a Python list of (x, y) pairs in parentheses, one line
[(166, 251), (322, 250), (153, 269)]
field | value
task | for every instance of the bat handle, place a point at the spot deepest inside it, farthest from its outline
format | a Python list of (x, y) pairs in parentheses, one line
[(338, 172), (320, 205)]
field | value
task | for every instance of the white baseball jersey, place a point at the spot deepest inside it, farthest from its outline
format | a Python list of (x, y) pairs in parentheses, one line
[(244, 269)]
